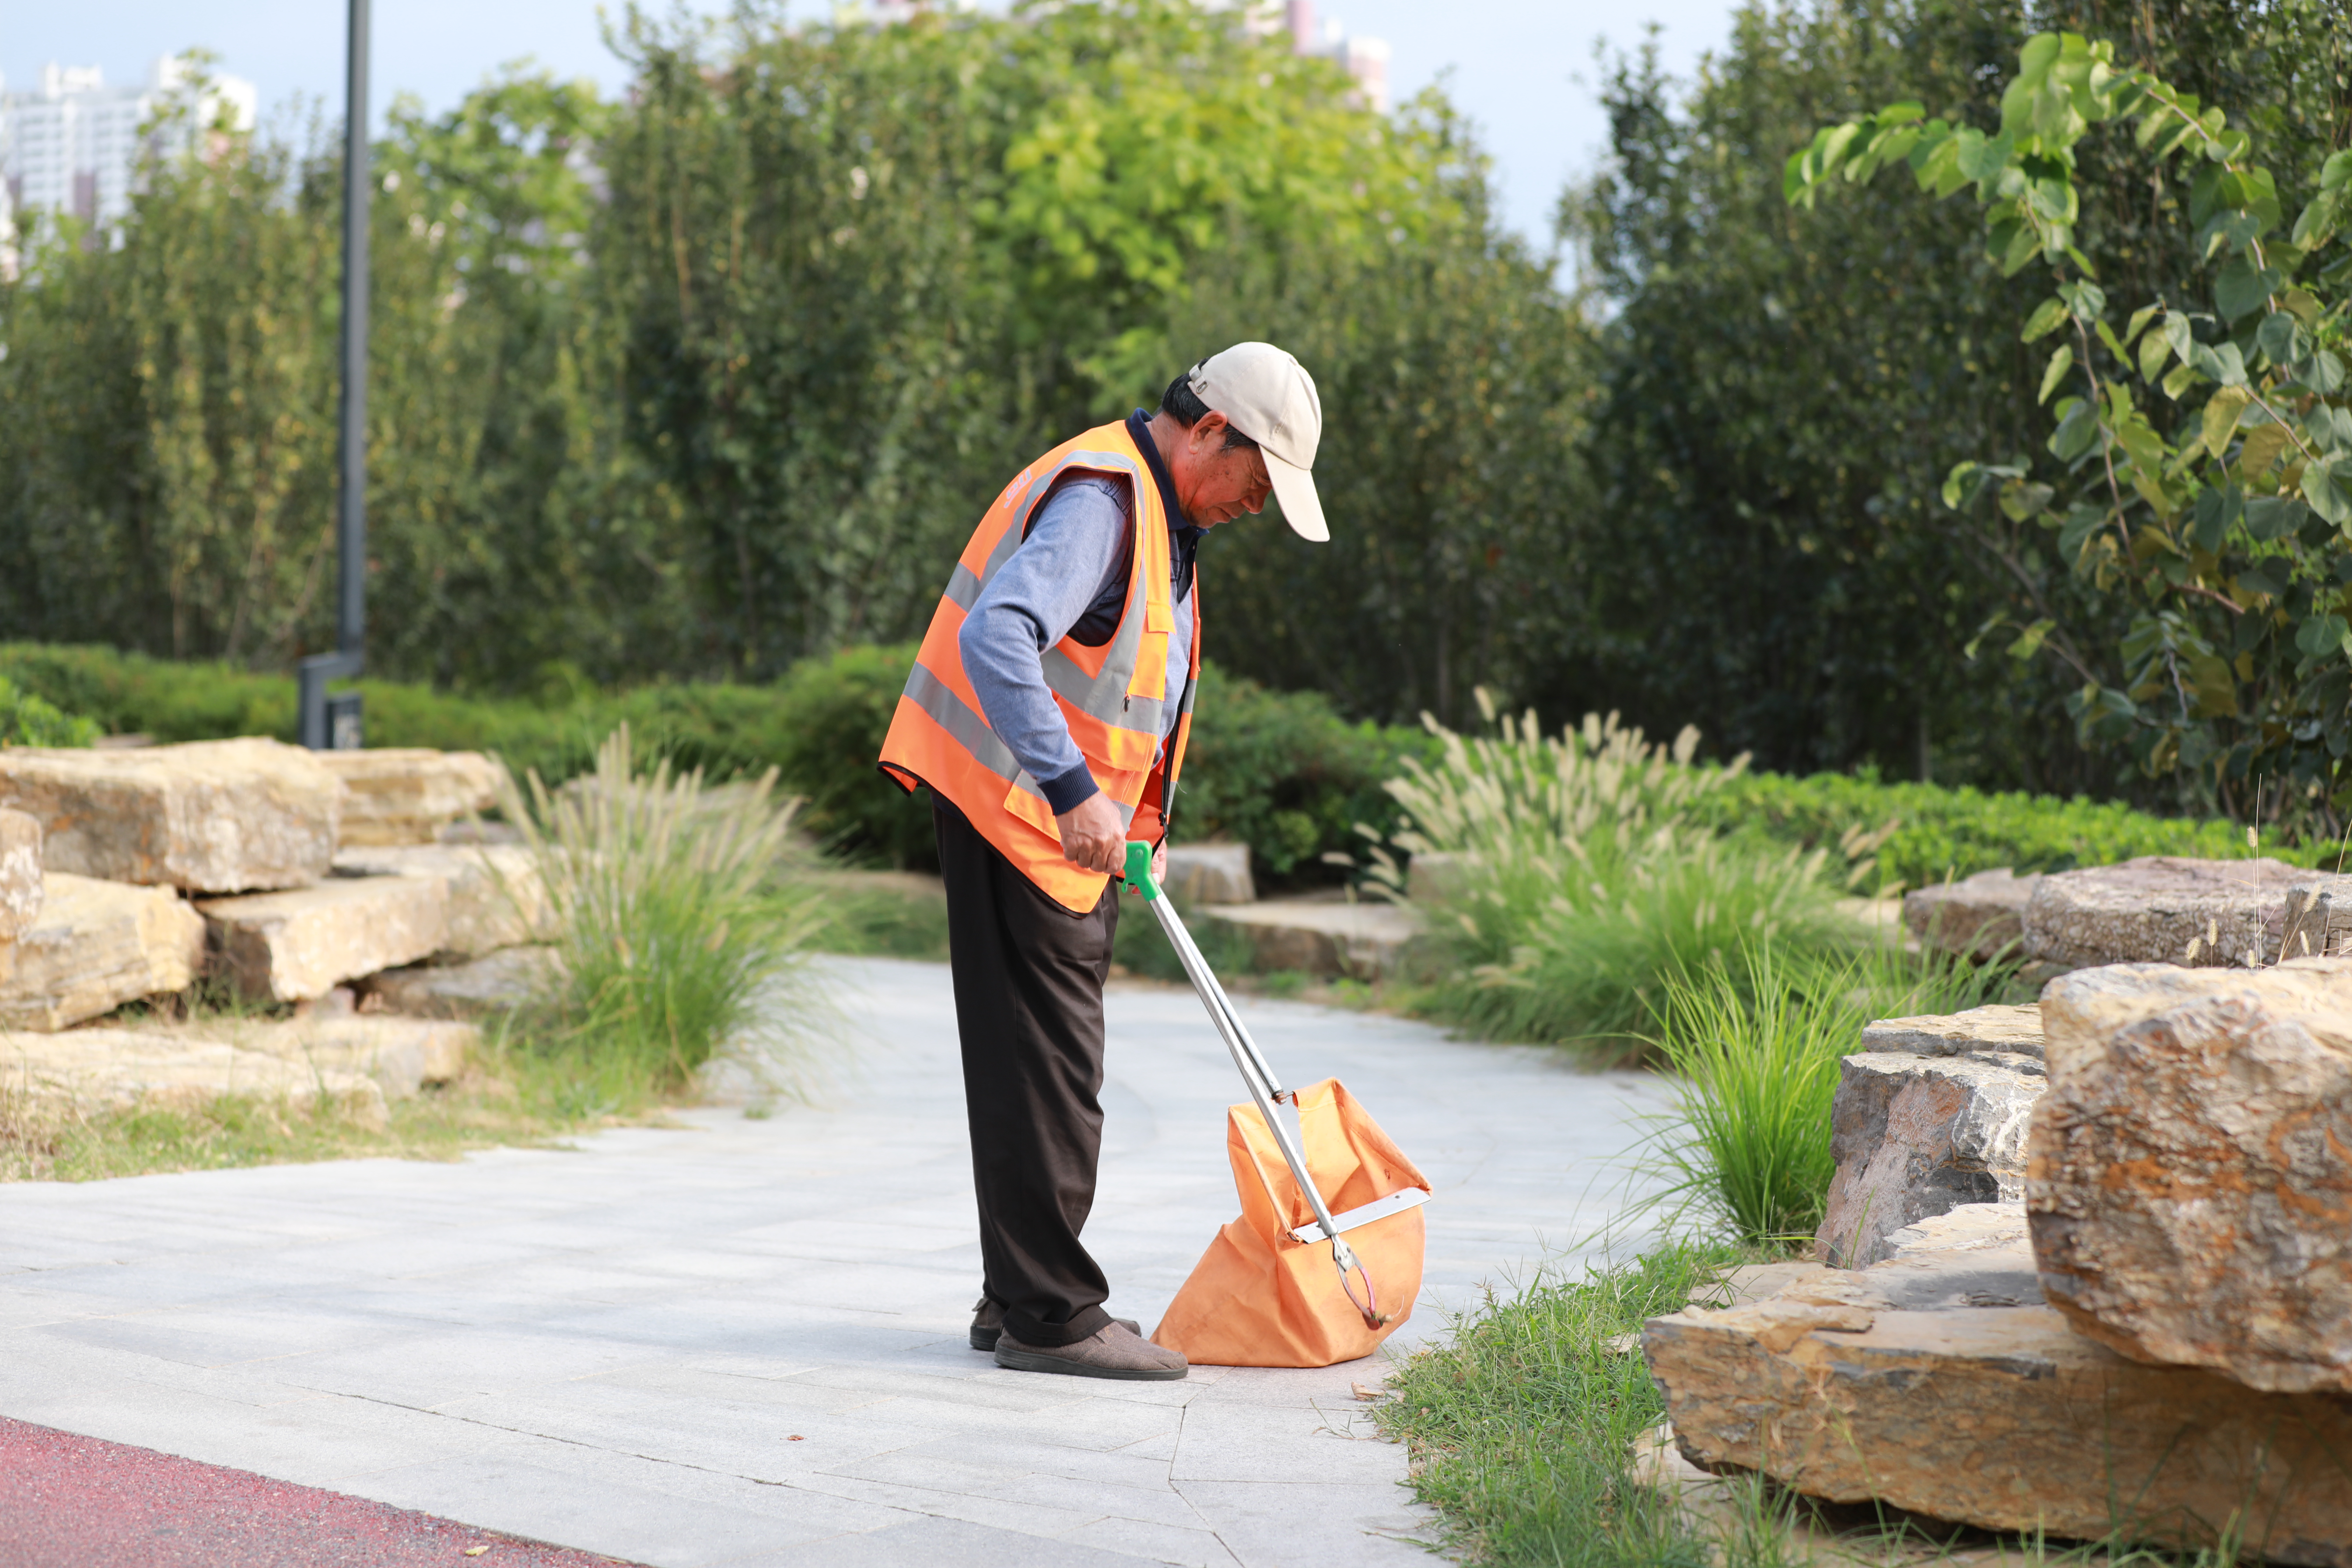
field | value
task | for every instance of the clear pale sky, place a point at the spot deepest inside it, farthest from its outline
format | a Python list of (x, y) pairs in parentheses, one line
[(1523, 70)]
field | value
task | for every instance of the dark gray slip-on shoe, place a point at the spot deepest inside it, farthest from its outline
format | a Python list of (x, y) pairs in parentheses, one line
[(988, 1322), (1112, 1351)]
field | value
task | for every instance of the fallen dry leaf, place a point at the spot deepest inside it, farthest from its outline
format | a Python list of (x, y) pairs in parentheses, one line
[(1363, 1392), (795, 1437)]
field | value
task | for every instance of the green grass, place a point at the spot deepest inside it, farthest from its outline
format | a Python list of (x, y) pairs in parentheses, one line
[(509, 1103), (682, 928), (1754, 1043), (1522, 1426), (882, 914), (1539, 963), (1588, 883)]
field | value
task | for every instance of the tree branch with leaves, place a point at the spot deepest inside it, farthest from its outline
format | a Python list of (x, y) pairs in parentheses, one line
[(2201, 459)]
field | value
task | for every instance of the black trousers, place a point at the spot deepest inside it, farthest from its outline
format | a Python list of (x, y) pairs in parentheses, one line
[(1028, 988)]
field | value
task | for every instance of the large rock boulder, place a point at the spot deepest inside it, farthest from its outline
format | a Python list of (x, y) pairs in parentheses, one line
[(2161, 908), (495, 982), (1211, 874), (1915, 1135), (296, 946), (402, 795), (2004, 1035), (20, 873), (2190, 1184), (216, 817), (94, 946), (497, 897), (2319, 917), (1980, 917), (1364, 940), (131, 1068), (1438, 875), (1938, 1382)]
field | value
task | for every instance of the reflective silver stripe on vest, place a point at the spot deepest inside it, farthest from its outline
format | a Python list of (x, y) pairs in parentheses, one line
[(936, 698), (1102, 697)]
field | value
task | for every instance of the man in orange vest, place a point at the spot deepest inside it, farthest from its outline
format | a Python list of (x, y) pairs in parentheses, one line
[(1047, 712)]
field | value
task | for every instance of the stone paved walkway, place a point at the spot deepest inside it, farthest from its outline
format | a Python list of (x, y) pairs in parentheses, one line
[(742, 1342)]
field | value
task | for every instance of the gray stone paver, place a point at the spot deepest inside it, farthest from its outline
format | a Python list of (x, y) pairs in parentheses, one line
[(741, 1342)]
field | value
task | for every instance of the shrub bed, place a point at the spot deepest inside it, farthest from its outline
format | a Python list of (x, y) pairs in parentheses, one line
[(1941, 831), (1279, 771)]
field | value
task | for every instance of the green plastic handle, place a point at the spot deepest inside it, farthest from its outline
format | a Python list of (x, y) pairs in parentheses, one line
[(1138, 871)]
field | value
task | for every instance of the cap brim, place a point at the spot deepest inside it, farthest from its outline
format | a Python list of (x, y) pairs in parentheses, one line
[(1294, 487)]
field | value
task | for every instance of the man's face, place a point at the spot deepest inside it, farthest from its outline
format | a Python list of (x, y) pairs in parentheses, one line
[(1215, 485)]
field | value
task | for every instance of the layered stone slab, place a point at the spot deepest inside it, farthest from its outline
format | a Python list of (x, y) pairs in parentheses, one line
[(1211, 874), (2190, 1184), (1980, 916), (94, 946), (2161, 908), (126, 1069), (497, 983), (1437, 876), (1916, 1135), (1939, 1383), (296, 946), (401, 795), (400, 1055), (2319, 917), (20, 873), (218, 817), (2000, 1034), (497, 897), (1328, 938)]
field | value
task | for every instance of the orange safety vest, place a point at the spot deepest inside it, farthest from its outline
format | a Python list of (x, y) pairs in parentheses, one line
[(1113, 697)]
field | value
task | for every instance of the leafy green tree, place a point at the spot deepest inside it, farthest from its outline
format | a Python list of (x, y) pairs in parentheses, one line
[(501, 477), (1786, 390), (2202, 481), (169, 401), (717, 377), (1456, 382), (916, 255), (169, 416)]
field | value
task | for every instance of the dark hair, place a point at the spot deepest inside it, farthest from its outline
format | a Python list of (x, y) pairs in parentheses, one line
[(1183, 404)]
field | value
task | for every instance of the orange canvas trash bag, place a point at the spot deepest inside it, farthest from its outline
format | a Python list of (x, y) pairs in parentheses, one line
[(1259, 1296)]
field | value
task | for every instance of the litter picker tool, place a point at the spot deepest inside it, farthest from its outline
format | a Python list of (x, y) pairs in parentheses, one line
[(1253, 1298)]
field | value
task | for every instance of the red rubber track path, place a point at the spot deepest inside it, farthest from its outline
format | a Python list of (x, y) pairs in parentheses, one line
[(78, 1502)]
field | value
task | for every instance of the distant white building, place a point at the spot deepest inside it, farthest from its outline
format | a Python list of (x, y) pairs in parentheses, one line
[(1366, 59), (73, 144)]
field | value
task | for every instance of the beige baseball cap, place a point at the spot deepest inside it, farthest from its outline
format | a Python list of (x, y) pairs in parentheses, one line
[(1268, 396)]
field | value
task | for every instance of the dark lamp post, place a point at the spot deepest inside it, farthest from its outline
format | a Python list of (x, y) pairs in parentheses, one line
[(333, 723)]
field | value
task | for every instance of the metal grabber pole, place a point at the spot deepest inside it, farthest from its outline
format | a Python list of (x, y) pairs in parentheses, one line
[(1256, 1072)]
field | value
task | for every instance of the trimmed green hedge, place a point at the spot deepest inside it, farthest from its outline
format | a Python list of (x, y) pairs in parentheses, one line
[(1283, 774), (1957, 832), (1279, 771)]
